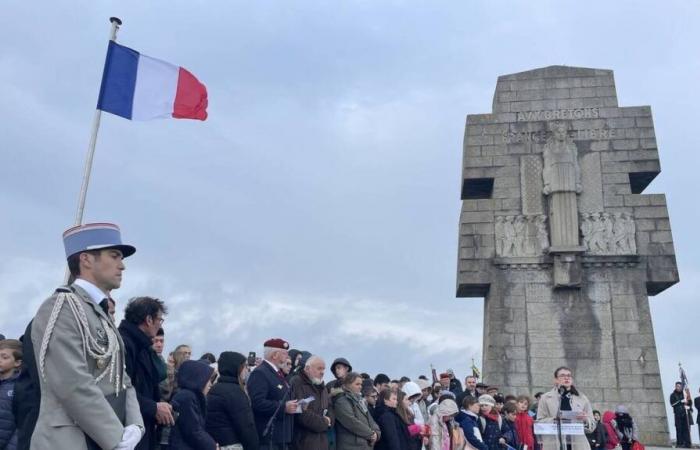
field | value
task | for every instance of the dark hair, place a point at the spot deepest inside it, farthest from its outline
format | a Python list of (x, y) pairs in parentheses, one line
[(381, 379), (350, 378), (538, 395), (498, 398), (471, 376), (468, 401), (74, 262), (404, 379), (365, 376), (422, 377), (139, 308), (395, 381), (556, 372), (596, 411), (509, 398), (208, 357), (510, 408), (160, 332)]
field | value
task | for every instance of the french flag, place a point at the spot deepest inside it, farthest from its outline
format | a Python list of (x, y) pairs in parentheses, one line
[(138, 87)]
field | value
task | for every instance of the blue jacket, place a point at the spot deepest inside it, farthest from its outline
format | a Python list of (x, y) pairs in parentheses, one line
[(266, 390), (8, 429), (491, 432), (470, 425), (190, 405), (509, 433)]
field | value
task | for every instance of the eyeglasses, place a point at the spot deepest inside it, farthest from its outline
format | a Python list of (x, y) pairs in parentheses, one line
[(565, 375)]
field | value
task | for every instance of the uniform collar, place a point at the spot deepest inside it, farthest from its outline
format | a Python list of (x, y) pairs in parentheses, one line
[(95, 294)]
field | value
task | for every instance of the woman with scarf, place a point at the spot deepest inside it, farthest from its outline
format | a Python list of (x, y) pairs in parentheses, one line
[(565, 397), (229, 414), (355, 428), (625, 427)]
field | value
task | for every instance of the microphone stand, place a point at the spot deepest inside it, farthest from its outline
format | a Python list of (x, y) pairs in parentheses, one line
[(558, 420), (270, 427)]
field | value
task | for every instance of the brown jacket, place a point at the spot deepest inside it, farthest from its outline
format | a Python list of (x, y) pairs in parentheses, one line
[(310, 427), (547, 412)]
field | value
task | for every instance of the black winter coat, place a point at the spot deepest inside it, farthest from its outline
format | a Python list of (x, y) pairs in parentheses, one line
[(509, 433), (25, 403), (394, 432), (144, 376), (267, 389), (230, 416), (190, 407)]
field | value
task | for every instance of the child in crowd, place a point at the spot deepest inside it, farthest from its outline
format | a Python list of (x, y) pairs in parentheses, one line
[(491, 422), (194, 379), (509, 435), (10, 363), (524, 424), (469, 421), (597, 439)]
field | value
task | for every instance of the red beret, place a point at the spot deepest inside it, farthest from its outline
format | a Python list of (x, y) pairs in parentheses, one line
[(277, 343), (444, 375)]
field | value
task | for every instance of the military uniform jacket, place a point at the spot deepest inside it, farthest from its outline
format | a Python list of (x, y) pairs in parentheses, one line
[(266, 389), (74, 409)]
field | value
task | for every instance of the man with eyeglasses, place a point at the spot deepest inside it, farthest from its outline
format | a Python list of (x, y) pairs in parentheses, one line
[(565, 397), (143, 317)]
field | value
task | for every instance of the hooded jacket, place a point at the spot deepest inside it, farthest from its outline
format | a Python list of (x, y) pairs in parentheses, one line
[(189, 432), (229, 414), (337, 383)]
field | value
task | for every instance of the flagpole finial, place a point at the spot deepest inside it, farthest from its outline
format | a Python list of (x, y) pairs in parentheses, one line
[(116, 20)]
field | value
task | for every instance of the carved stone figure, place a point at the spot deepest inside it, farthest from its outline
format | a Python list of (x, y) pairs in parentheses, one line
[(609, 234), (518, 236), (561, 171), (542, 237)]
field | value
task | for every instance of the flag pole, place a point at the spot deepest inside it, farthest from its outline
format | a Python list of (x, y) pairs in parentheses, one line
[(116, 23)]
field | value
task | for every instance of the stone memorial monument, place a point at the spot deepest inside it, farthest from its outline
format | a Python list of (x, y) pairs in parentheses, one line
[(558, 238)]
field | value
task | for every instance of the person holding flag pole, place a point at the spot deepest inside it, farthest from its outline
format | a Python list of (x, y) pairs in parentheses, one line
[(87, 399), (680, 402)]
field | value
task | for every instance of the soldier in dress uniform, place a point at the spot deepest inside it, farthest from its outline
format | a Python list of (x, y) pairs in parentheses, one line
[(87, 400), (269, 396)]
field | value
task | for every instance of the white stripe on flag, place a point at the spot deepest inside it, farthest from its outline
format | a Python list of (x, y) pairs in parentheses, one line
[(156, 87)]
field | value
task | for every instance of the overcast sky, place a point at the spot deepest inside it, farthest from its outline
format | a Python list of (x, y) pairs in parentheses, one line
[(320, 201)]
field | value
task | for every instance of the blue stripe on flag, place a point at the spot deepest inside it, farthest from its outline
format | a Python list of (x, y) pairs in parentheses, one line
[(118, 80)]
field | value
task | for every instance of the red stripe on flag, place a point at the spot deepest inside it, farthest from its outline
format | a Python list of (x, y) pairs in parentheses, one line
[(191, 99)]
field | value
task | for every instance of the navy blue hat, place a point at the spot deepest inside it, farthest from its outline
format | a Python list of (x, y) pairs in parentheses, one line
[(94, 236)]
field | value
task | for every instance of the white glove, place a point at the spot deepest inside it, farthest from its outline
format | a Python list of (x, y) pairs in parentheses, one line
[(130, 438)]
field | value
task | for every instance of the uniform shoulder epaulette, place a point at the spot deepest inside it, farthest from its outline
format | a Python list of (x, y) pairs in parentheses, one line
[(64, 289)]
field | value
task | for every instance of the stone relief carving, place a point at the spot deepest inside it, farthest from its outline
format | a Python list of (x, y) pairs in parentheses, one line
[(561, 172), (609, 234), (521, 235)]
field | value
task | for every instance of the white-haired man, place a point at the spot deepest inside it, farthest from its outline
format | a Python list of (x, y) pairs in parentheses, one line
[(311, 426), (270, 397)]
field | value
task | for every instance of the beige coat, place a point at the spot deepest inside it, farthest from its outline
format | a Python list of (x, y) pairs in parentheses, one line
[(547, 411), (73, 404)]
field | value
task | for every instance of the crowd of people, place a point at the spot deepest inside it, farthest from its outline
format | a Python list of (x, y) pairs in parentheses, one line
[(78, 380)]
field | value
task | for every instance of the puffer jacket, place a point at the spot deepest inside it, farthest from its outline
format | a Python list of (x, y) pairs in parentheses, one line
[(8, 429)]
